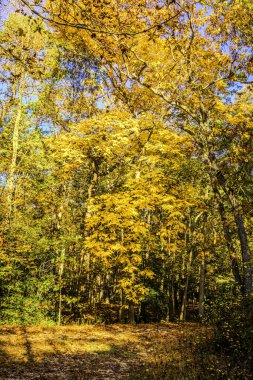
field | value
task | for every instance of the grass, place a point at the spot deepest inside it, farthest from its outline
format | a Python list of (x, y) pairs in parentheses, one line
[(115, 352)]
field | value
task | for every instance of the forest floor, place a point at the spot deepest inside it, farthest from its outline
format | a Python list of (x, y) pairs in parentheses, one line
[(113, 352)]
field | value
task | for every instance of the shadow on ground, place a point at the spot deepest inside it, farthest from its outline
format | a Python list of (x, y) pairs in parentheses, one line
[(117, 352)]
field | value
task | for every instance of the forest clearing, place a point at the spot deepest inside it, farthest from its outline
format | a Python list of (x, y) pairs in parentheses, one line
[(115, 352), (126, 189)]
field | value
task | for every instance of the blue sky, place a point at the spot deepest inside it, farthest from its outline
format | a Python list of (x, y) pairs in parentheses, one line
[(5, 8)]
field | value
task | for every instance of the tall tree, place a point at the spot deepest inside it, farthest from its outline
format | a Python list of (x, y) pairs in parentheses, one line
[(184, 64)]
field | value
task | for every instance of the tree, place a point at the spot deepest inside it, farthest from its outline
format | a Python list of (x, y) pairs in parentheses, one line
[(126, 173), (25, 63), (189, 66)]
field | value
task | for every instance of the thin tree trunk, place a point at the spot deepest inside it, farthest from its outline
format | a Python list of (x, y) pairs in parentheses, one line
[(245, 251), (229, 241), (131, 313), (247, 269), (15, 146), (184, 301), (89, 201), (172, 310), (202, 285), (218, 179), (121, 306), (61, 270)]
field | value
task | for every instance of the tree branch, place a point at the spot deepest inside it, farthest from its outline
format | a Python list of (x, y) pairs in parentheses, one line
[(94, 30)]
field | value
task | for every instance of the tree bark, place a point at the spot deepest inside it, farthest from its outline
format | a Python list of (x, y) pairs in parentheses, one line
[(247, 270), (202, 285), (242, 235), (61, 270), (15, 146), (229, 240), (184, 301), (131, 313), (218, 180)]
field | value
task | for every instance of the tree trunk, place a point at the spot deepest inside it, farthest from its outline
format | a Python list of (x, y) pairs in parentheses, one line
[(229, 240), (172, 309), (61, 270), (202, 285), (218, 180), (131, 313), (89, 202), (121, 306), (184, 301), (245, 252), (247, 270), (15, 146)]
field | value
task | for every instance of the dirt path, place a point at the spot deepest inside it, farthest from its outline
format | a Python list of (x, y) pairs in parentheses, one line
[(117, 352)]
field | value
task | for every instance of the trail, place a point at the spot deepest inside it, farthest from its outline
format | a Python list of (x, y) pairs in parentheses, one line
[(114, 352)]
